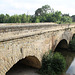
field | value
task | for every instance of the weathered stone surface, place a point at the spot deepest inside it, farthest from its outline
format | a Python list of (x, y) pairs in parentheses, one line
[(32, 40)]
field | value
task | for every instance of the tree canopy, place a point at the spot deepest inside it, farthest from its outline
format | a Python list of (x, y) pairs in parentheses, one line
[(73, 17), (43, 10), (43, 14)]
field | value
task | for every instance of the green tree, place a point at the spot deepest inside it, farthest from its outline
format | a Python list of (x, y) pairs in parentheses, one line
[(43, 14), (28, 17), (73, 18), (23, 18), (46, 9), (7, 18), (2, 18), (18, 19), (65, 15), (14, 19), (38, 12), (41, 11), (57, 15), (66, 19), (32, 19), (37, 20)]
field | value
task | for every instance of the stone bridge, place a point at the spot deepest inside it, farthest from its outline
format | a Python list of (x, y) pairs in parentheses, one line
[(29, 42)]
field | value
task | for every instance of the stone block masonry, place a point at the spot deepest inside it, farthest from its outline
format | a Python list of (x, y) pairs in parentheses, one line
[(19, 41)]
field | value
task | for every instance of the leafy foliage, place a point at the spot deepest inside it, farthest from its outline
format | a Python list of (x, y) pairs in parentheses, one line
[(37, 20), (73, 18), (66, 19), (58, 63), (42, 11), (53, 64), (43, 14)]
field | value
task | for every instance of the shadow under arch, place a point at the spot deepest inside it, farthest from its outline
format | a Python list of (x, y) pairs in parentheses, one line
[(29, 61), (73, 36), (63, 44)]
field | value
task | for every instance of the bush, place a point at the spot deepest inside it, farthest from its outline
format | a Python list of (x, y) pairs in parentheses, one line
[(46, 62), (58, 63), (53, 64)]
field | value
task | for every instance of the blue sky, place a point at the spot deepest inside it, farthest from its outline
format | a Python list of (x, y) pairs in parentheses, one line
[(12, 7)]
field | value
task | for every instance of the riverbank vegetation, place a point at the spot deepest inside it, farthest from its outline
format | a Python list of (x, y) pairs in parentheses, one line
[(43, 14), (53, 64)]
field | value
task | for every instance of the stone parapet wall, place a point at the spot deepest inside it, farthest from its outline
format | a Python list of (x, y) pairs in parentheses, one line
[(8, 32)]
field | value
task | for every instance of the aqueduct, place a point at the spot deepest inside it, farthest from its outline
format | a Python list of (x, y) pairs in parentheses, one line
[(28, 42)]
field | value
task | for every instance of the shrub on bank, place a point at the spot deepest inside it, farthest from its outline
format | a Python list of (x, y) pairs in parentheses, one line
[(58, 63), (53, 64)]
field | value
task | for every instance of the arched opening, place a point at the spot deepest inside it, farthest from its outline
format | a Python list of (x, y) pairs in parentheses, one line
[(63, 48), (25, 66), (73, 36), (62, 45), (71, 69), (31, 61)]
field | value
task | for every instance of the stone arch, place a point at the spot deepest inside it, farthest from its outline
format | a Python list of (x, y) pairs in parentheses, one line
[(62, 44), (31, 61)]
